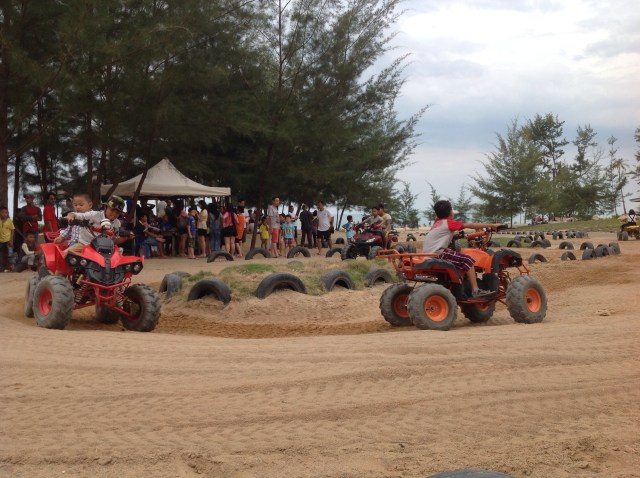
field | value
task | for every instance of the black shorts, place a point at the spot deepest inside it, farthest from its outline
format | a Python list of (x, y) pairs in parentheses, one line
[(203, 232), (229, 231), (326, 235)]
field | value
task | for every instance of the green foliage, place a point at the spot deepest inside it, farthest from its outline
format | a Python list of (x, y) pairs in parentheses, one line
[(405, 214)]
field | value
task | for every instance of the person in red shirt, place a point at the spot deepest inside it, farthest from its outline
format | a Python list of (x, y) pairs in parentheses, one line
[(50, 218), (30, 216)]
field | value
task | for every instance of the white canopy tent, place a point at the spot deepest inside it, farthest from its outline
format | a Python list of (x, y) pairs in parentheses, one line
[(164, 180)]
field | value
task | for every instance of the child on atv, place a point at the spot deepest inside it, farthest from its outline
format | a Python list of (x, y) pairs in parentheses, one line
[(441, 234), (113, 208)]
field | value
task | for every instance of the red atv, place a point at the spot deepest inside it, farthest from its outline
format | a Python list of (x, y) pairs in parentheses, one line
[(367, 242), (433, 304), (100, 276)]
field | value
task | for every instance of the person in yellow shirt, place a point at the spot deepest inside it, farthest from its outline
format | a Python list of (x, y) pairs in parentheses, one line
[(6, 240), (264, 232)]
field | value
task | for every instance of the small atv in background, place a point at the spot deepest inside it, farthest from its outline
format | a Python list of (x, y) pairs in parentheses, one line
[(98, 276), (628, 232), (367, 242), (439, 287)]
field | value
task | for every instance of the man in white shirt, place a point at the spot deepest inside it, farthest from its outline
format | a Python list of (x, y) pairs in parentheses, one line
[(325, 226)]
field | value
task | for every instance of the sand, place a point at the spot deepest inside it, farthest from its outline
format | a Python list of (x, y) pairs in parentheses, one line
[(302, 386)]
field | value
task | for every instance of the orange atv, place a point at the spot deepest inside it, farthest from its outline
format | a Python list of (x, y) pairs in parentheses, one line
[(433, 303)]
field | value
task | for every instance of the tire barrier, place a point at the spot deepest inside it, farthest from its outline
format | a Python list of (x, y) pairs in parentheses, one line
[(377, 275), (257, 251), (533, 258), (568, 256), (335, 278), (566, 245), (277, 281), (298, 250), (332, 251), (218, 254), (210, 287)]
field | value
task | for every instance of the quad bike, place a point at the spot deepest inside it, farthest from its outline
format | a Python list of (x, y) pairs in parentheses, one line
[(367, 242), (629, 231), (100, 276), (439, 287)]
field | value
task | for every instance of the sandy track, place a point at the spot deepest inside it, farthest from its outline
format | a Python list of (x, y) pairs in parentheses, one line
[(334, 392)]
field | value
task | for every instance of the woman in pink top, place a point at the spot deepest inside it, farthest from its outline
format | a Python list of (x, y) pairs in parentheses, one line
[(228, 228)]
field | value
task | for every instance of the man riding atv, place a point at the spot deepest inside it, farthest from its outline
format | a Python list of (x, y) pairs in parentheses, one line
[(373, 234)]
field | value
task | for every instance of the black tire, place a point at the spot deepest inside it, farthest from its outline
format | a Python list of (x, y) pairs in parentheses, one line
[(331, 279), (144, 306), (536, 257), (28, 295), (586, 245), (411, 237), (333, 250), (163, 284), (432, 307), (210, 287), (615, 247), (218, 254), (566, 245), (105, 315), (602, 251), (255, 251), (53, 302), (545, 243), (478, 313), (399, 248), (377, 275), (339, 240), (526, 300), (560, 235), (619, 236), (173, 285), (514, 243), (411, 248), (279, 280), (493, 244), (349, 252), (528, 240), (373, 252), (554, 235), (568, 256), (298, 250), (588, 254), (624, 236), (393, 305), (542, 244)]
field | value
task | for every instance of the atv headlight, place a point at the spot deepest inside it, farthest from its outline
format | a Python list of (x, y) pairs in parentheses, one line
[(73, 260), (370, 241), (137, 267), (83, 262), (127, 267)]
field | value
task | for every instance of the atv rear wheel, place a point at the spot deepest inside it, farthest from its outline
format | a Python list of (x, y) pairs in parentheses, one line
[(526, 300), (349, 252), (478, 313), (393, 304), (28, 295), (53, 302), (143, 305), (433, 307)]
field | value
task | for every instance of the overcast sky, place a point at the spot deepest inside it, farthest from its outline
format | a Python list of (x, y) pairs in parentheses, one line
[(482, 63)]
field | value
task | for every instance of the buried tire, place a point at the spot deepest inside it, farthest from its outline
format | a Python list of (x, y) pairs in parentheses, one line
[(615, 248), (393, 305), (377, 275), (478, 313), (568, 256), (218, 254), (255, 251), (526, 300), (332, 251), (277, 281), (588, 254), (337, 278), (143, 305), (53, 302), (432, 307), (210, 287), (165, 281), (536, 257), (298, 250), (514, 243), (28, 295), (566, 245)]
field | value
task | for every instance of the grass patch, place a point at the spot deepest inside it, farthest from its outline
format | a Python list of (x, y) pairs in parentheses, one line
[(199, 275), (591, 225)]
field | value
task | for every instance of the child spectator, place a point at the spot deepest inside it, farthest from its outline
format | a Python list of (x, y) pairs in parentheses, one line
[(81, 203), (29, 254), (288, 231), (113, 208), (442, 233), (49, 216), (7, 230), (191, 232), (348, 227), (264, 232)]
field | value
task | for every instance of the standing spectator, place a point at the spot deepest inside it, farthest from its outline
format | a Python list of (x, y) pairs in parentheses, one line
[(288, 229), (7, 230), (281, 218), (325, 226), (203, 232), (229, 230), (240, 230), (274, 225), (30, 216), (264, 232), (252, 221), (191, 232), (305, 227), (182, 224), (67, 208), (161, 207), (348, 227), (314, 227), (215, 227), (241, 211), (294, 218), (50, 218)]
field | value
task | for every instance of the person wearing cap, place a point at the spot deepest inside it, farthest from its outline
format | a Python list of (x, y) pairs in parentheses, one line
[(30, 215), (113, 208)]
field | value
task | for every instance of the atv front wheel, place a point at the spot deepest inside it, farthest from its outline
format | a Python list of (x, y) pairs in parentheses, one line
[(433, 307), (526, 300), (393, 305), (373, 252), (53, 302), (143, 306), (28, 295), (349, 252)]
